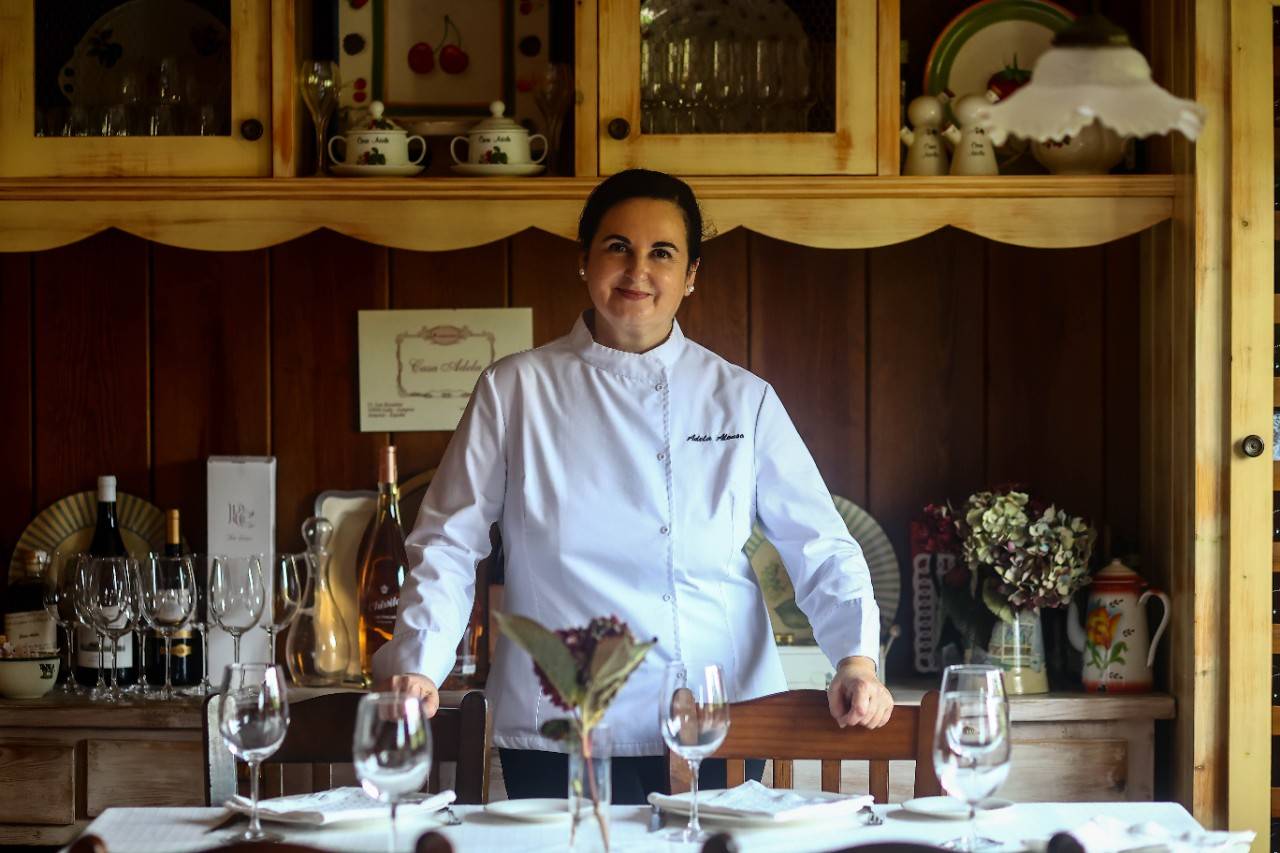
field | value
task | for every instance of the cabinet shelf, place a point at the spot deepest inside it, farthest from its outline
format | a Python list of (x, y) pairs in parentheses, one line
[(436, 214)]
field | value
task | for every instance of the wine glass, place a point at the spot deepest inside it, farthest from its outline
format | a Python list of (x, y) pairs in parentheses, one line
[(166, 597), (236, 596), (84, 614), (391, 749), (60, 604), (286, 595), (111, 606), (553, 93), (971, 742), (694, 718), (319, 80), (253, 716)]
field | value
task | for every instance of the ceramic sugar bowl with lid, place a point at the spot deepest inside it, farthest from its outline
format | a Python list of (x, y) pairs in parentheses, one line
[(499, 146), (376, 143)]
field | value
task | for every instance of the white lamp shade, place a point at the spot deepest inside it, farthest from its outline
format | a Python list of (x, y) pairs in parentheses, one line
[(1074, 86)]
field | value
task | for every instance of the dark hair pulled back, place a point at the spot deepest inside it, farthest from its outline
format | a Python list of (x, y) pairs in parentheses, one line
[(641, 183)]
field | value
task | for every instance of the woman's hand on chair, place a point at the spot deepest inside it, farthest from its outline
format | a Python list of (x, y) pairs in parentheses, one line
[(856, 696), (420, 686)]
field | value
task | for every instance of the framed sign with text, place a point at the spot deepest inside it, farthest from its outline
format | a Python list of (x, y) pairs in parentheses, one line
[(417, 368)]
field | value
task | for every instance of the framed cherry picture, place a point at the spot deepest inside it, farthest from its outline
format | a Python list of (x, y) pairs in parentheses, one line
[(442, 58)]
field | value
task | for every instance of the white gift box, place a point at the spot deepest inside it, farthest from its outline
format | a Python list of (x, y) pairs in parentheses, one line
[(242, 522)]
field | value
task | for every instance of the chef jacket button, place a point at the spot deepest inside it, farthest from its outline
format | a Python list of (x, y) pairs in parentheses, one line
[(661, 456), (666, 597), (663, 530), (659, 387)]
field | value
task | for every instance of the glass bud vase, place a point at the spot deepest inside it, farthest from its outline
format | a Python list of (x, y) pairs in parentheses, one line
[(1017, 646), (318, 649), (590, 789)]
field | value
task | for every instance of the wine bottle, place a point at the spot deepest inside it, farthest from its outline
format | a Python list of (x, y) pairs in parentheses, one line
[(28, 627), (381, 566), (106, 542), (186, 660)]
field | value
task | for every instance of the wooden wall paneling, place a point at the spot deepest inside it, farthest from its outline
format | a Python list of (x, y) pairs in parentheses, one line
[(15, 399), (211, 353), (318, 283), (1121, 355), (1044, 374), (91, 367), (466, 278), (925, 346), (715, 314), (544, 276), (808, 338)]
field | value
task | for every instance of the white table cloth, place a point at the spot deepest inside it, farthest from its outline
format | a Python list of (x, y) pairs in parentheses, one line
[(177, 830)]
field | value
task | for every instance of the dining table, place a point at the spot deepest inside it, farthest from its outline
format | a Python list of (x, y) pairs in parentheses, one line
[(1021, 826)]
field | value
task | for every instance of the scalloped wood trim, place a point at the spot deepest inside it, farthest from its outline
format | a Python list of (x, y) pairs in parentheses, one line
[(442, 214)]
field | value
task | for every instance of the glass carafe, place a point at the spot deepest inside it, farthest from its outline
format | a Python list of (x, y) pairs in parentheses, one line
[(318, 649)]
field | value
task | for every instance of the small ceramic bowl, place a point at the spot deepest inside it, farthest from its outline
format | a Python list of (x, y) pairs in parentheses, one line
[(27, 678)]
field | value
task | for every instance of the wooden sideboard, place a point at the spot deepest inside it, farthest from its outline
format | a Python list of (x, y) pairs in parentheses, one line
[(63, 760)]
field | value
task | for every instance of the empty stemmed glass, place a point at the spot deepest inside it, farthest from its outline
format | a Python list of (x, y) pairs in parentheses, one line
[(110, 598), (253, 716), (60, 604), (236, 596), (971, 742), (286, 596), (166, 597), (391, 749), (553, 93), (694, 718), (319, 80)]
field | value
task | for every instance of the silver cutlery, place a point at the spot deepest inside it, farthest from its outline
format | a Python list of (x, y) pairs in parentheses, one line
[(450, 819), (656, 818), (869, 818)]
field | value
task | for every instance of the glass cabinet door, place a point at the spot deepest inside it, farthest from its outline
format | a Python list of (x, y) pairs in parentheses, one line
[(135, 87), (710, 87)]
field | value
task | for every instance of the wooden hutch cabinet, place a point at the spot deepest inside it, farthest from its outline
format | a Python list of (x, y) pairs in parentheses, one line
[(1197, 235)]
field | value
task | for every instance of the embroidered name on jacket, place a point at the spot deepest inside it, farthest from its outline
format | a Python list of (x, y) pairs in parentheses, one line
[(724, 436)]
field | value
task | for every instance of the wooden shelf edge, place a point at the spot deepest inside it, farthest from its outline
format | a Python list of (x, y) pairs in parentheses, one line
[(1275, 639), (1275, 719), (438, 214), (1275, 802)]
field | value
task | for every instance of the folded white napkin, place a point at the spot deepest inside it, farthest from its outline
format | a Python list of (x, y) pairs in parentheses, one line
[(336, 806), (1112, 835), (751, 799)]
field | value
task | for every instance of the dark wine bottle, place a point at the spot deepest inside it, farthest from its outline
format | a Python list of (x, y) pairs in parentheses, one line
[(186, 659), (28, 627), (382, 566), (107, 542)]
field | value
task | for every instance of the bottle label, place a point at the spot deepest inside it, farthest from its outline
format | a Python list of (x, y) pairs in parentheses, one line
[(87, 650), (31, 631)]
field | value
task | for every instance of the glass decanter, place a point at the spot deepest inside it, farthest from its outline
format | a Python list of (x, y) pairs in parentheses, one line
[(318, 649)]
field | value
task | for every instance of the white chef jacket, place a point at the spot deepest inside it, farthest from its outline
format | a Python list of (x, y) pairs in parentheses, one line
[(627, 484)]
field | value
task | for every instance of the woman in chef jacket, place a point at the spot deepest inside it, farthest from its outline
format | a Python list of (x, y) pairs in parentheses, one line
[(626, 465)]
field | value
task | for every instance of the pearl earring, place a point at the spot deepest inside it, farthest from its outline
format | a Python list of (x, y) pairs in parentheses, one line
[(582, 272), (688, 290)]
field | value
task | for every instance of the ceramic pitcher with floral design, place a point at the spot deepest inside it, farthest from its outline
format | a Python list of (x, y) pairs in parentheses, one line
[(1117, 646)]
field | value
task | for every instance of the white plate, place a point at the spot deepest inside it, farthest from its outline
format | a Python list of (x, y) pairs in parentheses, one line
[(354, 171), (950, 808), (530, 811), (682, 808), (496, 170)]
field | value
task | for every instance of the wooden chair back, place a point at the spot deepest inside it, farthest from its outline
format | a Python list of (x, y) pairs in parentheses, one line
[(316, 753), (797, 725)]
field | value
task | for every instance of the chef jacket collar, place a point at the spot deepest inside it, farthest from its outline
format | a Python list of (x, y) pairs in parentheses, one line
[(657, 360)]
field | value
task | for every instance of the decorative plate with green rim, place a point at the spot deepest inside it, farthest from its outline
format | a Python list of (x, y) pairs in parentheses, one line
[(780, 596), (985, 38), (67, 525)]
